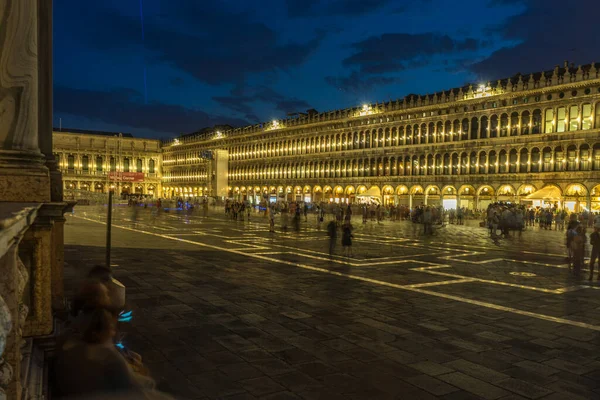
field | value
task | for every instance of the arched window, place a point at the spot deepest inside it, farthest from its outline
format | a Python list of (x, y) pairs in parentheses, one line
[(514, 124), (547, 160), (113, 164), (85, 163), (513, 159), (494, 126), (465, 129), (535, 160), (71, 162), (474, 127), (482, 162), (572, 158), (504, 125), (446, 164), (492, 162), (483, 130), (596, 159), (524, 156), (503, 162), (126, 165), (138, 165), (525, 123), (151, 166), (99, 164), (559, 159), (585, 157)]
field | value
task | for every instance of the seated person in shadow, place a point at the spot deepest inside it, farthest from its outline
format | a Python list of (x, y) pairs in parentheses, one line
[(88, 365)]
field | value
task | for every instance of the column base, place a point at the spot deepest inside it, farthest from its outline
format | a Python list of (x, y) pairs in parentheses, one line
[(23, 177)]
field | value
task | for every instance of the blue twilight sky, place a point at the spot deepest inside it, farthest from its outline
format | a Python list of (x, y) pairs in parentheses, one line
[(159, 68)]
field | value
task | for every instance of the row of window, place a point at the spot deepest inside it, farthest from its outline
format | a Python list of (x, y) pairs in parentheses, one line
[(86, 164), (559, 119), (391, 106), (559, 159)]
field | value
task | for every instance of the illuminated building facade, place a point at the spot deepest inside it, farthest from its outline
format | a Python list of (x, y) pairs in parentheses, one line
[(467, 146), (96, 161)]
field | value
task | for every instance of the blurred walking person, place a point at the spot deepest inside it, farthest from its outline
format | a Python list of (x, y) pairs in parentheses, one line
[(332, 233), (595, 256), (347, 239)]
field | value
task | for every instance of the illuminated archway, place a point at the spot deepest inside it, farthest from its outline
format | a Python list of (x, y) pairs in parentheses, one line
[(526, 189), (417, 190), (575, 197)]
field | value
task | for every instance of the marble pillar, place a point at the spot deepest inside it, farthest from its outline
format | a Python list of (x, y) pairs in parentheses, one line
[(23, 175), (45, 102)]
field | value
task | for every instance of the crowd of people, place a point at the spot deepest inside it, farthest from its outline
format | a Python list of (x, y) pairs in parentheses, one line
[(500, 218)]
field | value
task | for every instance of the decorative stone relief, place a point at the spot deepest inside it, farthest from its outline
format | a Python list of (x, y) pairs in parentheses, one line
[(6, 371), (19, 74)]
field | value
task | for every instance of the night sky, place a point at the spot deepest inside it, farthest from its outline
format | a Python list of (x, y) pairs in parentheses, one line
[(159, 68)]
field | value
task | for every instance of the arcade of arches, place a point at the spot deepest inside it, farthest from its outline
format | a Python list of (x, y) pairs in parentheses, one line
[(573, 196)]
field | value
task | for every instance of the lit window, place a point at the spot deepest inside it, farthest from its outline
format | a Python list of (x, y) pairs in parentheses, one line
[(561, 118), (586, 116), (549, 121), (573, 118)]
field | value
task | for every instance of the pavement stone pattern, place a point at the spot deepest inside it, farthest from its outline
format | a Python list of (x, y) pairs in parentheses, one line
[(226, 310)]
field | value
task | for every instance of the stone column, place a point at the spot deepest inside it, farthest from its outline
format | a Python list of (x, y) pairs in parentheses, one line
[(44, 42), (23, 176)]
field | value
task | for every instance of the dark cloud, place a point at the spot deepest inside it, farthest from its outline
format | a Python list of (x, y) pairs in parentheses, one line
[(357, 83), (125, 107), (545, 34), (242, 98), (292, 105), (344, 8), (391, 51), (243, 47)]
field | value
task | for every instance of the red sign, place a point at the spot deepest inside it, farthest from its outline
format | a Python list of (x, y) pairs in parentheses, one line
[(126, 176)]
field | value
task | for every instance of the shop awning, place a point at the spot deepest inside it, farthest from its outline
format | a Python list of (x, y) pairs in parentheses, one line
[(549, 193)]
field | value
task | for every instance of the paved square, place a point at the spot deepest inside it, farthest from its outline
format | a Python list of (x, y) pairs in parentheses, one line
[(225, 309)]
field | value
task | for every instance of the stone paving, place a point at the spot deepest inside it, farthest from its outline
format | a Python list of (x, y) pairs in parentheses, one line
[(225, 309)]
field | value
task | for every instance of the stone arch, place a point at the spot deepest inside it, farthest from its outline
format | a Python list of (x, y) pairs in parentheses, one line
[(576, 190), (526, 189), (361, 189), (338, 191), (485, 190), (401, 190), (387, 190), (506, 190), (416, 190), (449, 190), (432, 190), (466, 190)]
